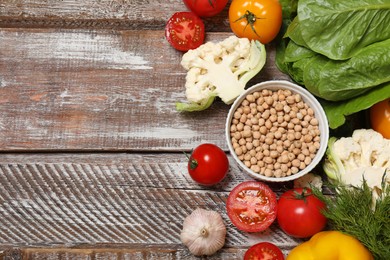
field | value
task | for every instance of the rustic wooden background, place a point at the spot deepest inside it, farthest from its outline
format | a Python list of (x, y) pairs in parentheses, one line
[(91, 163)]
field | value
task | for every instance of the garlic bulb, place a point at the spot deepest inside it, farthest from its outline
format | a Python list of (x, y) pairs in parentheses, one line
[(203, 232)]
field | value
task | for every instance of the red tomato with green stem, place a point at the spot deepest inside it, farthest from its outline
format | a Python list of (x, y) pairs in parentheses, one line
[(185, 31), (256, 19), (208, 164), (206, 8), (264, 251), (299, 213), (252, 206)]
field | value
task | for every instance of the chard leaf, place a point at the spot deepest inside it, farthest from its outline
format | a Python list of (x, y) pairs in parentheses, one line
[(339, 29)]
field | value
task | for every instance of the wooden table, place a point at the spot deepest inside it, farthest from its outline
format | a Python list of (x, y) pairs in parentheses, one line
[(92, 163)]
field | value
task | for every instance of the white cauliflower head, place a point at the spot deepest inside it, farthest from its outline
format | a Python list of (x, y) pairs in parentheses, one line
[(365, 156), (220, 69)]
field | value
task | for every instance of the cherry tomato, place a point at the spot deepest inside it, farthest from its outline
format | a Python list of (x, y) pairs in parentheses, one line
[(264, 251), (299, 213), (256, 19), (252, 206), (206, 8), (185, 31), (208, 164), (380, 117)]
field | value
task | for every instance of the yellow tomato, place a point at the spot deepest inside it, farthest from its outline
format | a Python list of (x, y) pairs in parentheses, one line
[(330, 245), (256, 19), (380, 117)]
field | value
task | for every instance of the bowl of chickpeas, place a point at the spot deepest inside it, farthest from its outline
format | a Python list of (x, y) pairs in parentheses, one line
[(277, 131)]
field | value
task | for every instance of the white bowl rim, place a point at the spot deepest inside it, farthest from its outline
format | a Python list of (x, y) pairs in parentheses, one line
[(309, 99)]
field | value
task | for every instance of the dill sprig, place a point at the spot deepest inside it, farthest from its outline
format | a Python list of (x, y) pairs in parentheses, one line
[(351, 210)]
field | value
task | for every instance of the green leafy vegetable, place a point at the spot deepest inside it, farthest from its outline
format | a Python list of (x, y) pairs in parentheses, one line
[(336, 112), (349, 211), (339, 29), (340, 51)]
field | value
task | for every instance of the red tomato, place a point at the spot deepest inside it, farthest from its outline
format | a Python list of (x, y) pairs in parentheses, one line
[(252, 206), (185, 31), (299, 213), (264, 251), (256, 19), (208, 164), (380, 117), (206, 8)]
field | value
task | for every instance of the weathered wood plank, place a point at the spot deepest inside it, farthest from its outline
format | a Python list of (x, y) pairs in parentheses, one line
[(108, 14), (128, 200), (100, 90), (127, 252)]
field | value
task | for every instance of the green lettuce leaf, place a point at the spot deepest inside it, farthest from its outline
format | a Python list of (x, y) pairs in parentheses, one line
[(339, 29), (336, 112)]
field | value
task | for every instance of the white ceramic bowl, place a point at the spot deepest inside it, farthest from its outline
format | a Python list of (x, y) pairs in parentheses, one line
[(309, 99)]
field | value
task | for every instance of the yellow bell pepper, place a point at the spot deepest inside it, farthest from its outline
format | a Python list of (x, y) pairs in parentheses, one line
[(330, 245)]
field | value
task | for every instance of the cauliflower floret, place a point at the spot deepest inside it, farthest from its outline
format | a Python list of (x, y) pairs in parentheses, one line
[(363, 156), (220, 69), (375, 148), (349, 151), (309, 180)]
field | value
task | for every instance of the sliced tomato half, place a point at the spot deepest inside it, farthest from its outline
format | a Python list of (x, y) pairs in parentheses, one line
[(264, 251), (185, 31), (252, 206)]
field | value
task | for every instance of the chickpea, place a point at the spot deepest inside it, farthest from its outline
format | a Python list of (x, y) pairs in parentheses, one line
[(240, 126), (255, 168), (278, 173), (314, 121), (268, 160), (247, 164), (268, 172), (237, 135), (253, 160), (249, 146), (279, 106), (250, 98), (294, 170), (246, 133), (286, 109), (238, 151), (246, 110), (307, 160), (268, 124)]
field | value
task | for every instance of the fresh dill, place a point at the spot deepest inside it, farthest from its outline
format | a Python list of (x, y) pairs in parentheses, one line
[(351, 211)]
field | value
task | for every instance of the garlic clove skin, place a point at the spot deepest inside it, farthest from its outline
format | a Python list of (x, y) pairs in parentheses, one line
[(203, 232)]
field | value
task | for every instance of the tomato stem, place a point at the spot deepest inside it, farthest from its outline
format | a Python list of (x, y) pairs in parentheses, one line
[(302, 196), (193, 162), (250, 19), (211, 2)]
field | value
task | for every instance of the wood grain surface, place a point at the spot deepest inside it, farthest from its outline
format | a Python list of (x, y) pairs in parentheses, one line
[(108, 14), (129, 200), (99, 90), (91, 146)]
